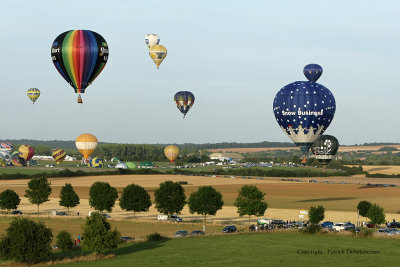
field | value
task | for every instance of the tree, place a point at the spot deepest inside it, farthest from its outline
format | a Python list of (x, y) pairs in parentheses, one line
[(316, 214), (9, 200), (102, 196), (206, 201), (39, 191), (376, 214), (64, 240), (135, 198), (26, 241), (98, 235), (250, 201), (363, 207), (68, 197), (170, 198)]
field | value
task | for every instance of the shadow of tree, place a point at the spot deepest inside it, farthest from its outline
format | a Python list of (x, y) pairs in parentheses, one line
[(135, 247)]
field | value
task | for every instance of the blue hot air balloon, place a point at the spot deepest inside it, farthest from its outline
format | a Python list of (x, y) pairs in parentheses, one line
[(312, 72), (304, 111), (184, 101)]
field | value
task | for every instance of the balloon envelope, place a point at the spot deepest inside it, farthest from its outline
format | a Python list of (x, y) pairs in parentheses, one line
[(6, 146), (5, 155), (58, 155), (131, 165), (324, 148), (26, 152), (151, 40), (157, 54), (79, 56), (86, 143), (184, 101), (18, 161), (304, 111), (33, 94), (96, 163), (171, 152), (312, 72), (121, 165)]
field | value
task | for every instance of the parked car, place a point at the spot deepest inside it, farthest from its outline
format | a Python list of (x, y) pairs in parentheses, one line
[(327, 224), (393, 225), (371, 225), (61, 213), (384, 231), (126, 238), (197, 232), (176, 218), (339, 226), (278, 223), (16, 212), (395, 231), (181, 233), (105, 215), (229, 229)]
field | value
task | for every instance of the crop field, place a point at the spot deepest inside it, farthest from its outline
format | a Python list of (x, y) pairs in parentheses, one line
[(265, 249), (385, 169), (285, 198)]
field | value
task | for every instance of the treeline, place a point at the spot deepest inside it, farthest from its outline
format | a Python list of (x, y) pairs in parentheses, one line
[(264, 173), (235, 145), (69, 173), (381, 175)]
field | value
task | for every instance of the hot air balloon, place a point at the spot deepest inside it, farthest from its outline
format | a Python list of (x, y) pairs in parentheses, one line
[(33, 94), (5, 155), (79, 56), (58, 155), (312, 72), (152, 39), (86, 144), (304, 111), (18, 161), (184, 101), (171, 152), (26, 152), (157, 54), (96, 163), (121, 165), (324, 148), (6, 146)]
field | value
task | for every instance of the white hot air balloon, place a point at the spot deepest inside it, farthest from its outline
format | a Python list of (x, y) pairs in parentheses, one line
[(152, 39)]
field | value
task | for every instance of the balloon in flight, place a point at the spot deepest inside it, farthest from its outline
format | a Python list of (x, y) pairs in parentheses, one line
[(86, 144), (312, 72), (151, 40), (79, 56), (171, 152), (26, 152), (184, 101), (304, 110), (157, 54), (33, 94), (58, 155), (324, 148)]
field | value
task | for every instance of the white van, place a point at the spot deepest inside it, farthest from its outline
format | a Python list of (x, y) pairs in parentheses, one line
[(162, 217)]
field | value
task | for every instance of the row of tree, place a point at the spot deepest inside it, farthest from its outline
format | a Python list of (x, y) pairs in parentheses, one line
[(170, 198)]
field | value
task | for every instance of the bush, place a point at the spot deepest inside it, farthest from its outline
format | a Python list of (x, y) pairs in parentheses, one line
[(98, 235), (26, 241), (154, 237), (64, 240), (312, 229), (366, 232)]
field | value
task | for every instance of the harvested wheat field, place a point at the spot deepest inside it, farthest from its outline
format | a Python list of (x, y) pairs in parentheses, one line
[(382, 169), (285, 199)]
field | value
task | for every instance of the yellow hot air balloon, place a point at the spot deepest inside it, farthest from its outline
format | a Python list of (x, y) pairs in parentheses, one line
[(171, 152), (33, 94), (86, 143), (157, 54)]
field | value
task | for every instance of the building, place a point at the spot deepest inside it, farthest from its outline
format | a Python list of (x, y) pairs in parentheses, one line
[(226, 156)]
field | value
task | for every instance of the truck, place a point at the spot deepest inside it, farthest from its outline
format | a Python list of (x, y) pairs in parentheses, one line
[(162, 217), (174, 218)]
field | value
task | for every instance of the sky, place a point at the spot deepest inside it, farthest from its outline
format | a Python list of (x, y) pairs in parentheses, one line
[(233, 55)]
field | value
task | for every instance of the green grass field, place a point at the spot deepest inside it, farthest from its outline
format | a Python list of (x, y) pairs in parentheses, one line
[(269, 249)]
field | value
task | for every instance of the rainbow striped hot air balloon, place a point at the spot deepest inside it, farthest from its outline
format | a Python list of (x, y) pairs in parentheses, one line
[(6, 146), (58, 155), (33, 94), (26, 152), (86, 144), (79, 56)]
